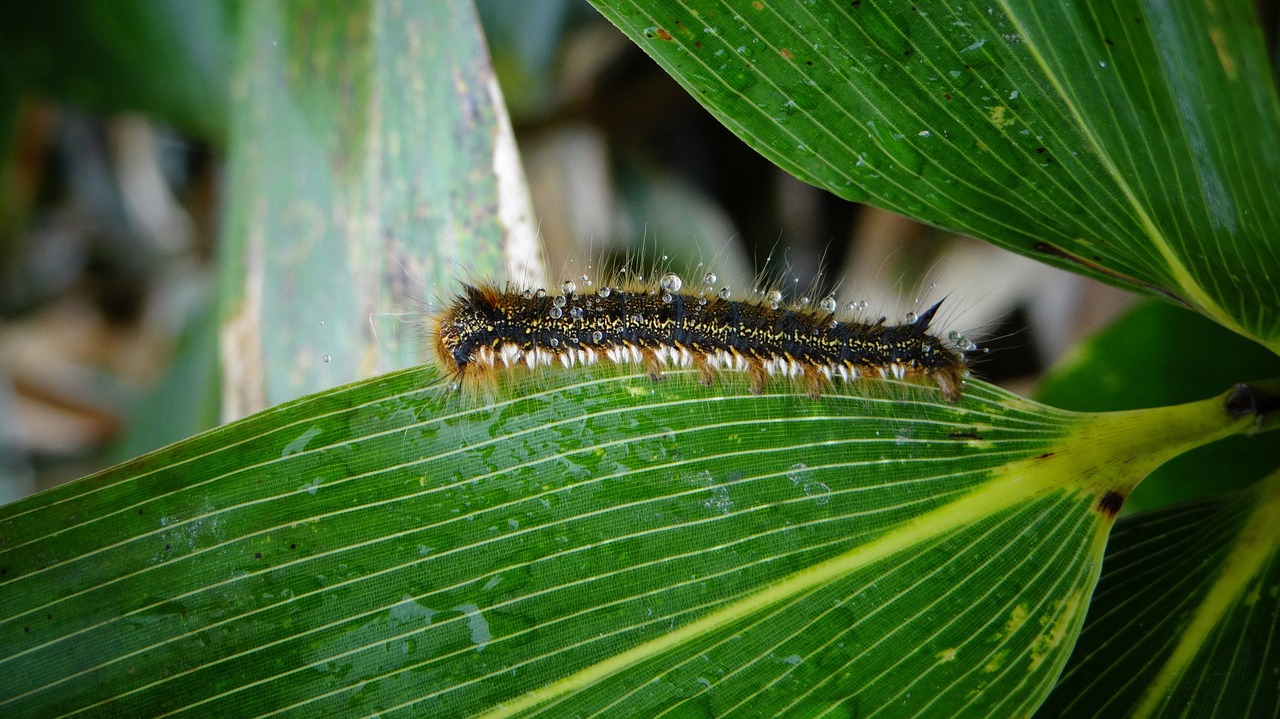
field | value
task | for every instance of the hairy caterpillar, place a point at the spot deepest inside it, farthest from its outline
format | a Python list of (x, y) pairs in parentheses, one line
[(486, 329)]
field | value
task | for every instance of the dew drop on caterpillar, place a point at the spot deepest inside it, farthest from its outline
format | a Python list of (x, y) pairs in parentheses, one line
[(487, 330)]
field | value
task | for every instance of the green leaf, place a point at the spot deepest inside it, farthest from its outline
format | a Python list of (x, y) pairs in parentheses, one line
[(370, 162), (1184, 620), (1128, 141), (585, 541), (169, 58), (1157, 355)]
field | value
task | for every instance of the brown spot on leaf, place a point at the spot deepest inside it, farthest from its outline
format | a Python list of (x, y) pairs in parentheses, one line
[(1110, 503), (664, 35), (786, 53)]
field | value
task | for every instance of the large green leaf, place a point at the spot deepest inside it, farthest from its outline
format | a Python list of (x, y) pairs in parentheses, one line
[(584, 542), (1186, 616), (371, 162), (1130, 141)]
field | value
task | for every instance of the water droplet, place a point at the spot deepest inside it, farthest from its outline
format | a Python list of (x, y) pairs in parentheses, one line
[(540, 293), (325, 359), (575, 312), (828, 303), (720, 501), (911, 317), (671, 282), (556, 313), (569, 287), (605, 292), (861, 305), (724, 293), (527, 294), (796, 472), (702, 301), (666, 297), (710, 278), (597, 336), (820, 492), (554, 342), (773, 297), (558, 300)]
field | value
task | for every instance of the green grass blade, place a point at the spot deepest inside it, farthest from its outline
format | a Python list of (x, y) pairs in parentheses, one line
[(1091, 135), (1187, 615), (597, 544)]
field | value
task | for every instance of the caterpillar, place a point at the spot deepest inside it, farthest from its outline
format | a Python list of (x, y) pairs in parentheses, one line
[(487, 329)]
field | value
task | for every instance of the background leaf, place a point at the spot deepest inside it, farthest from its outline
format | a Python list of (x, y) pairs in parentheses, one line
[(1184, 622), (371, 161), (1087, 135), (170, 58), (602, 540)]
